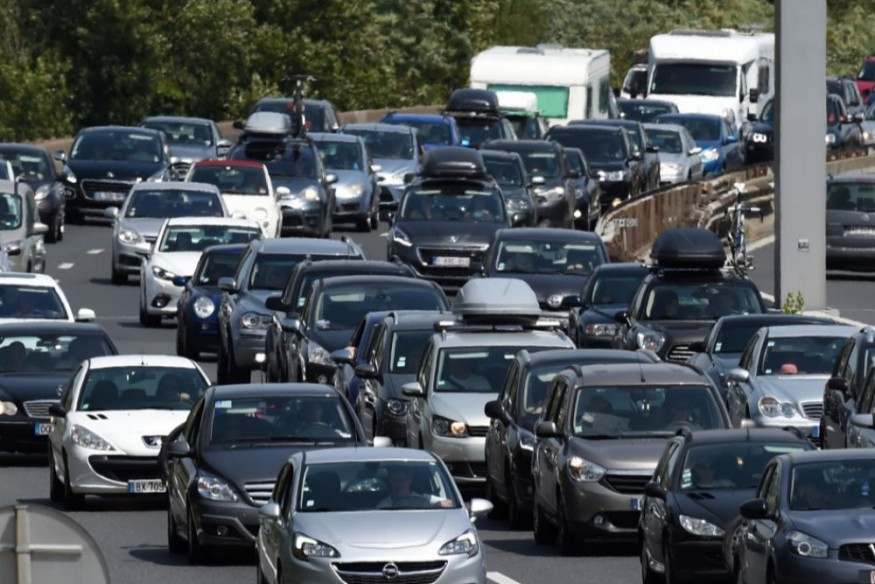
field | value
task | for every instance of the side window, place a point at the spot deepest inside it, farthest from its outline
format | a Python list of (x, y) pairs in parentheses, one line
[(67, 399), (192, 429), (509, 392), (746, 360), (377, 349), (774, 489), (661, 474), (241, 266), (557, 396), (588, 112), (604, 90), (285, 495), (305, 311), (763, 78), (278, 487), (356, 338), (765, 482), (866, 394), (425, 366), (851, 368), (842, 361)]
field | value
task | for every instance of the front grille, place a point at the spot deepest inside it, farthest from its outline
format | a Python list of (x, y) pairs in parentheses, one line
[(628, 484), (389, 572), (679, 353), (259, 492), (857, 552), (623, 519), (125, 468), (860, 230), (813, 410), (477, 431), (348, 207), (120, 190), (427, 255), (38, 408)]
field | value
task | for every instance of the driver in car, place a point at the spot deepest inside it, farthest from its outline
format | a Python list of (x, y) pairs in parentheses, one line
[(400, 480), (460, 377)]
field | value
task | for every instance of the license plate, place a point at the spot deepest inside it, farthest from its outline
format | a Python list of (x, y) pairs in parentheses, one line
[(635, 504), (149, 486), (815, 432), (451, 262), (42, 429), (108, 196)]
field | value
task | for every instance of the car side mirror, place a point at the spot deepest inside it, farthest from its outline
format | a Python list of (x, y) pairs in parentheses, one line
[(413, 389), (731, 139), (180, 281), (573, 175), (572, 301), (477, 266), (858, 118), (863, 420), (366, 371), (635, 156), (493, 410), (40, 228), (754, 509), (738, 374), (593, 173), (537, 180), (408, 177), (111, 212), (276, 303), (654, 490), (652, 148), (376, 168), (238, 124), (57, 410), (178, 449), (291, 325), (228, 284), (85, 315), (330, 178), (697, 346), (342, 356), (547, 430), (753, 94), (622, 317), (270, 511), (382, 442), (282, 192), (478, 508), (60, 156), (222, 148)]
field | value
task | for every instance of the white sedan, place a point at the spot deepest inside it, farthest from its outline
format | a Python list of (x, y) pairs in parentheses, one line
[(175, 254), (113, 416)]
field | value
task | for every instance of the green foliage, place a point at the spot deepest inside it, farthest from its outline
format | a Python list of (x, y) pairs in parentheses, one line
[(794, 303)]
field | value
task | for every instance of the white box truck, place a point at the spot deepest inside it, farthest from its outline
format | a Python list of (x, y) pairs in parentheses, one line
[(570, 84), (724, 72)]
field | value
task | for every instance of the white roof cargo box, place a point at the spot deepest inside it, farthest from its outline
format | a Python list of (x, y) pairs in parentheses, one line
[(497, 301)]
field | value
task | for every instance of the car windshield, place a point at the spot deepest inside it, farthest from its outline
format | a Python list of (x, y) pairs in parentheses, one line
[(120, 146), (47, 352), (694, 79), (243, 421), (867, 71), (167, 204), (733, 336), (597, 146), (233, 180), (678, 300), (833, 87), (644, 410), (341, 155), (378, 485), (284, 162), (575, 162), (541, 163), (437, 133), (668, 141), (643, 111), (802, 355), (858, 196), (214, 266), (390, 145), (142, 387), (32, 168), (10, 211), (191, 238), (505, 172), (474, 369), (314, 116), (832, 112), (271, 271), (475, 131), (18, 301), (190, 133), (452, 202), (768, 113), (342, 307), (731, 465), (406, 350), (701, 129), (610, 288), (548, 257), (832, 485)]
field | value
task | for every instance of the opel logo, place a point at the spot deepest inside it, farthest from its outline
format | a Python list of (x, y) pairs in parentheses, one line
[(390, 571)]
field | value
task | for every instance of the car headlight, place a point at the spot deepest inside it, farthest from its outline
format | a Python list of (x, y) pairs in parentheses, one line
[(516, 204), (670, 167), (253, 320), (71, 178), (397, 407), (310, 194), (710, 155), (350, 191), (700, 527), (401, 238), (527, 440), (650, 340), (612, 175), (305, 547), (41, 192), (759, 138), (555, 300), (449, 428), (772, 408), (8, 408), (317, 355), (583, 470), (213, 488), (162, 274), (830, 138), (203, 307), (87, 439), (600, 330), (555, 192), (464, 544), (129, 236), (803, 544)]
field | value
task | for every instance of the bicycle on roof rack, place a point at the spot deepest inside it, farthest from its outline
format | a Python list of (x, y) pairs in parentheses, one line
[(299, 122), (740, 259)]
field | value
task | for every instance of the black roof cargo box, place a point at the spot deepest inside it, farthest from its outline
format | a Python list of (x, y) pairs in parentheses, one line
[(688, 247), (478, 101), (453, 162)]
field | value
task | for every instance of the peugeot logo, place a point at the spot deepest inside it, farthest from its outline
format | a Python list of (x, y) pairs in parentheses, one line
[(109, 174), (390, 571)]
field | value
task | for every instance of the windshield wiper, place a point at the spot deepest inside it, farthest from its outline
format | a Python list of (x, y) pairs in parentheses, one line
[(599, 436)]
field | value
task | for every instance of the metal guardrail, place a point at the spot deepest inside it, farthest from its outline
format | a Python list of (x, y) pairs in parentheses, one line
[(630, 228)]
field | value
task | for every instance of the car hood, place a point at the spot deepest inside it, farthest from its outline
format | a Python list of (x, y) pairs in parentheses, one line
[(718, 506), (21, 388), (836, 527), (603, 312), (349, 177), (462, 407), (181, 263), (449, 233), (621, 454), (246, 204), (113, 170), (125, 429), (682, 331), (254, 300), (726, 361), (792, 388), (192, 153), (394, 166), (211, 292), (393, 384), (511, 192), (607, 165), (761, 128), (145, 226), (331, 340), (546, 285), (673, 158), (699, 104), (242, 465), (295, 184)]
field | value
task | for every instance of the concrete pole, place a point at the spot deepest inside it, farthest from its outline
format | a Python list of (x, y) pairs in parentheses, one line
[(800, 156)]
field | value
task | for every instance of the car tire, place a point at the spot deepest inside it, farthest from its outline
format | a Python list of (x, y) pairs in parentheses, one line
[(260, 578), (196, 552), (52, 234), (175, 544), (119, 278), (147, 320), (569, 544), (648, 576), (364, 224), (72, 501), (56, 487), (499, 507), (669, 577), (543, 530)]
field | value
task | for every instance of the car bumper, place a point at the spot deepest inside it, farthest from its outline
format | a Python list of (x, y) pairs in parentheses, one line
[(759, 153), (351, 208), (392, 426), (859, 257), (594, 510), (670, 177), (108, 474), (162, 297), (595, 342), (84, 202), (465, 457), (204, 335), (613, 190), (390, 196), (23, 436), (246, 347), (129, 258), (712, 166), (553, 210), (237, 520), (700, 559), (448, 278), (801, 570), (302, 221)]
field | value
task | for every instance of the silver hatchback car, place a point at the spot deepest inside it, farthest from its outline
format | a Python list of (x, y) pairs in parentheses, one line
[(319, 525)]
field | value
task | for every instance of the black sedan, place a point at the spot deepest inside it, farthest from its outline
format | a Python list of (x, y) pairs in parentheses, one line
[(698, 485), (843, 396), (554, 262), (35, 167), (36, 362), (812, 521), (519, 199), (221, 464), (608, 292)]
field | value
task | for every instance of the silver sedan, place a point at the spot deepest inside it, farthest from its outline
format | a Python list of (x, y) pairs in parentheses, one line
[(679, 157), (343, 515)]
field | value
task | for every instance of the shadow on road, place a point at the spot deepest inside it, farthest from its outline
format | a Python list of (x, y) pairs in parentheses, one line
[(108, 503), (22, 460), (134, 323), (163, 557), (526, 546)]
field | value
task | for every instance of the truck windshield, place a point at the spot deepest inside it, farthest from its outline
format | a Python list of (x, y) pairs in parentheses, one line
[(694, 79)]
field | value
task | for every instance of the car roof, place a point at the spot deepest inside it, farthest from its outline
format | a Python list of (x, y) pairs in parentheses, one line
[(223, 162), (547, 234), (307, 101), (774, 319), (689, 116), (672, 127), (37, 327), (378, 127), (272, 389), (612, 122), (811, 330), (16, 147), (197, 221), (568, 356), (586, 128), (183, 119), (142, 360), (226, 249), (369, 280), (622, 268), (353, 266), (478, 336), (175, 185), (401, 116), (641, 374), (334, 137), (724, 435), (637, 100), (25, 279), (504, 154), (522, 145), (133, 129), (832, 455), (360, 454), (312, 245)]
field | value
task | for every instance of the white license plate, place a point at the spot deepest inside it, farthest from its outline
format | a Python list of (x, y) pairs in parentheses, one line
[(451, 262), (149, 486), (635, 504), (42, 429), (108, 196), (815, 432)]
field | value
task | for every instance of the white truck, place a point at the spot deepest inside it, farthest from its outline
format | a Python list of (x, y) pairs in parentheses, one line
[(570, 84), (722, 72)]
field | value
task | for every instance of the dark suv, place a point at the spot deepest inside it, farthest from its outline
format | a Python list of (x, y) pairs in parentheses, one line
[(845, 88), (648, 152), (686, 291), (841, 395), (478, 117)]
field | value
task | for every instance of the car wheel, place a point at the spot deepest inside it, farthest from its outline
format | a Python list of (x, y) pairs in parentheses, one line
[(569, 544), (364, 225), (236, 374), (175, 543), (499, 507), (648, 576), (544, 531), (196, 552), (119, 278), (56, 487), (72, 501), (52, 233)]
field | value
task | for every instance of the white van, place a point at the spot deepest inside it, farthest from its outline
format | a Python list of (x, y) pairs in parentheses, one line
[(570, 84), (723, 72)]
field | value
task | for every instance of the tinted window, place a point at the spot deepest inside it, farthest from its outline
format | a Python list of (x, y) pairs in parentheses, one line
[(49, 351), (120, 146), (406, 351), (184, 133), (33, 168), (505, 172), (808, 355), (215, 266), (643, 110), (850, 196), (733, 337), (189, 238), (536, 385), (30, 302), (341, 155), (678, 300), (702, 129), (10, 211), (272, 271), (732, 465), (596, 146), (474, 370), (541, 163), (474, 132), (341, 308), (141, 388), (832, 485), (452, 202), (392, 145), (430, 132), (610, 288), (668, 141), (167, 204), (314, 116), (694, 79), (867, 71), (548, 257), (233, 180)]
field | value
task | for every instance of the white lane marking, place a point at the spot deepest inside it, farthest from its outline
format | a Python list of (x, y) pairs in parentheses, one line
[(384, 234), (94, 251), (65, 266), (500, 578), (761, 243)]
